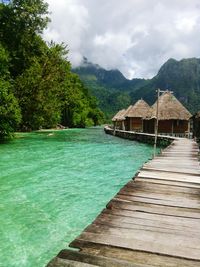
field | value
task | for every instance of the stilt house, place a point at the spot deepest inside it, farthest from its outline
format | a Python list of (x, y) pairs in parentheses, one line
[(174, 118), (135, 116), (119, 120)]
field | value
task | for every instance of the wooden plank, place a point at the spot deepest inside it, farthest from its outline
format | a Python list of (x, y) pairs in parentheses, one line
[(163, 157), (160, 194), (158, 173), (143, 241), (168, 182), (130, 230), (166, 163), (57, 262), (150, 219), (121, 205), (141, 257), (171, 169), (170, 165), (178, 155), (95, 259), (178, 177), (158, 201), (161, 188)]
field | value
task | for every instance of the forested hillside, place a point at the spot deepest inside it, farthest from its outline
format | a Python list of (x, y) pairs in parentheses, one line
[(37, 87), (110, 87), (182, 77), (115, 92)]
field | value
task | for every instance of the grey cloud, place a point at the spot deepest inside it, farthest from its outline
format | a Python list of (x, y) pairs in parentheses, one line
[(134, 36)]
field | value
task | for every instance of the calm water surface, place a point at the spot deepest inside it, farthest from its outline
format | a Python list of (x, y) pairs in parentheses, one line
[(53, 184)]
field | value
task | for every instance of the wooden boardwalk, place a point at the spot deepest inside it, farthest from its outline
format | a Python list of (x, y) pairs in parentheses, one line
[(154, 220)]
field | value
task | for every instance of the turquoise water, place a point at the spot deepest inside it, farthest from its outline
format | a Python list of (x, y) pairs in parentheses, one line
[(53, 184)]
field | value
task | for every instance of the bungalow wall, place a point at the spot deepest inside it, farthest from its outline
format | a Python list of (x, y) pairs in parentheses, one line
[(166, 126), (149, 126), (127, 125), (134, 124), (180, 126)]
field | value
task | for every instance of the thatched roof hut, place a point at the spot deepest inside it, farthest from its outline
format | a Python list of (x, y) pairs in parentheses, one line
[(118, 120), (174, 118), (119, 116), (139, 110), (170, 108), (135, 114)]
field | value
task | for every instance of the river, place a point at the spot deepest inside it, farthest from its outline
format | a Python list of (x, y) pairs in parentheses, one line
[(53, 184)]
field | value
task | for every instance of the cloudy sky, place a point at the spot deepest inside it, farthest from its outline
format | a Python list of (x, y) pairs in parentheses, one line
[(134, 36)]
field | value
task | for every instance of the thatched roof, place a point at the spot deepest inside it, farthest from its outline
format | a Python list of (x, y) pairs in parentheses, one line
[(119, 116), (170, 108), (140, 110)]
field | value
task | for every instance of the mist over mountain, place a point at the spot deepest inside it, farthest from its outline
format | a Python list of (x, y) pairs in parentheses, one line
[(115, 92)]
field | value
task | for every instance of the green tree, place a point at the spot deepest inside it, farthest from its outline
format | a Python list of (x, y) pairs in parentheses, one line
[(47, 92), (39, 89), (20, 23), (79, 108), (10, 115)]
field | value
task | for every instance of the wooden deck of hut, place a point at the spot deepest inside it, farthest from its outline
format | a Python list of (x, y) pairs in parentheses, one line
[(154, 220)]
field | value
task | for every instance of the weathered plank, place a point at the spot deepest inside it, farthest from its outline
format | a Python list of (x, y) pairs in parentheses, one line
[(143, 241), (153, 219), (161, 201), (170, 176), (168, 195), (140, 184), (95, 259), (140, 207), (172, 169), (58, 262), (170, 182), (141, 257), (141, 187)]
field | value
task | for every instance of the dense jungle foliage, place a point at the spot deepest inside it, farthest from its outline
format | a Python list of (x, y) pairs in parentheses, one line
[(37, 88)]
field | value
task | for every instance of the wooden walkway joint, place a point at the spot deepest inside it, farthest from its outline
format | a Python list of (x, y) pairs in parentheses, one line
[(154, 220)]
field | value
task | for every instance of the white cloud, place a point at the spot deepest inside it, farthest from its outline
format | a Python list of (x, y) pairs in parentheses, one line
[(134, 36)]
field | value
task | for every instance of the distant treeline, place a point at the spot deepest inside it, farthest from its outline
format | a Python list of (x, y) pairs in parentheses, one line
[(37, 87)]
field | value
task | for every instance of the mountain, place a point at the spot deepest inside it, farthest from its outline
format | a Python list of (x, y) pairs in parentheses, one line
[(182, 77), (110, 87), (115, 92)]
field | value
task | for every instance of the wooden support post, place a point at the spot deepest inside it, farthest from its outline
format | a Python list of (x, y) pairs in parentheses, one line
[(123, 126), (189, 129), (114, 127), (156, 123), (172, 127), (142, 124)]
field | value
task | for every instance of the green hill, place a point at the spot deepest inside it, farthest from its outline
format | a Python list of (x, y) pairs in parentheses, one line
[(111, 88), (182, 77), (114, 91)]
